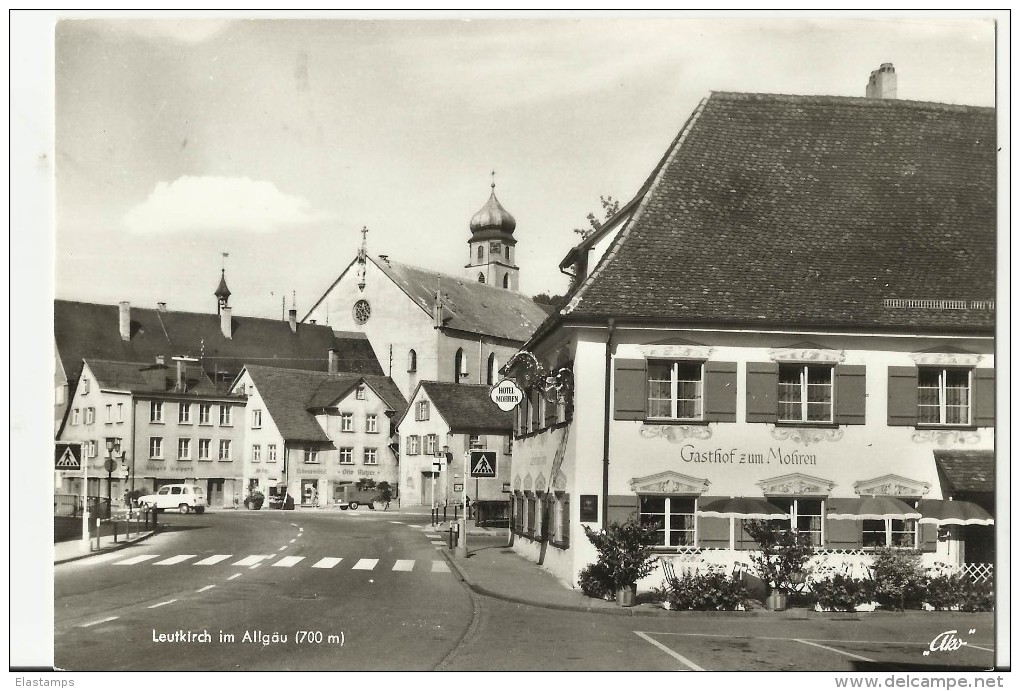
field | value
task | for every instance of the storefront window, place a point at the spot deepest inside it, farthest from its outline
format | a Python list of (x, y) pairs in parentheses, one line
[(673, 518)]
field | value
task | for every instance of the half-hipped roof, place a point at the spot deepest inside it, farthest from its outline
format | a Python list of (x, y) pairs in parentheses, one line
[(293, 396), (810, 211)]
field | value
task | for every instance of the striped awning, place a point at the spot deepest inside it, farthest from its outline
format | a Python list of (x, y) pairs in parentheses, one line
[(870, 508), (945, 512), (742, 507)]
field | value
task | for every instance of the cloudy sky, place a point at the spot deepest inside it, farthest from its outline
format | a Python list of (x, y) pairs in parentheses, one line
[(276, 141)]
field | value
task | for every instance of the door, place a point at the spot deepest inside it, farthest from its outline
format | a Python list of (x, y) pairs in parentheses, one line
[(309, 492), (214, 492)]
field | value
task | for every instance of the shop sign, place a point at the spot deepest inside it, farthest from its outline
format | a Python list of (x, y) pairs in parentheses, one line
[(506, 395), (734, 456), (589, 508), (458, 487)]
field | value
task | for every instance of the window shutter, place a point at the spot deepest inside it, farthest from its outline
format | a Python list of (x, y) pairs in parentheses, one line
[(551, 410), (712, 530), (762, 391), (850, 394), (984, 397), (902, 400), (620, 507), (629, 390), (929, 537), (842, 534), (720, 391)]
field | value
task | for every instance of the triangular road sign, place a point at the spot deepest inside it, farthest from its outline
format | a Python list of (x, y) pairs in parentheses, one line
[(483, 464), (68, 457)]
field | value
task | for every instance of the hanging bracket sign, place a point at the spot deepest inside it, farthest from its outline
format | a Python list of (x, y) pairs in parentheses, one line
[(506, 395)]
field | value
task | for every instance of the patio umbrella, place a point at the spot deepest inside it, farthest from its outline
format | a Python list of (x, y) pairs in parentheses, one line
[(870, 508), (742, 507), (943, 512)]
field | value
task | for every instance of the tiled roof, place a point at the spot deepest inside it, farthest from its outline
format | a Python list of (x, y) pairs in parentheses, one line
[(473, 307), (966, 471), (467, 407), (291, 394), (86, 330), (144, 377), (811, 211)]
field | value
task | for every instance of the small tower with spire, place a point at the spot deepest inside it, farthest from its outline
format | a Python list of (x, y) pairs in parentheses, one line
[(222, 292), (492, 245)]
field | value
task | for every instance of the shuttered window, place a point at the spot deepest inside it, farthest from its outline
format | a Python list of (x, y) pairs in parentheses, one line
[(686, 390), (941, 396), (805, 393), (672, 517)]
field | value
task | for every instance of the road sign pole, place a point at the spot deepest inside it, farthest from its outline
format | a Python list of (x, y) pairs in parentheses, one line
[(462, 549), (85, 546)]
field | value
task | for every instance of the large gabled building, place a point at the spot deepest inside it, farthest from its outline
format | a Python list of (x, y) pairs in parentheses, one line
[(314, 433), (797, 307), (428, 326)]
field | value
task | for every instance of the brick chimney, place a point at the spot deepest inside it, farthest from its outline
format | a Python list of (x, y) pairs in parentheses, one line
[(182, 377), (334, 360), (882, 83), (292, 319), (225, 314), (161, 306), (125, 321)]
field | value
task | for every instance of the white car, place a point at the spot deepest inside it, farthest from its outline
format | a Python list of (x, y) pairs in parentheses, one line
[(184, 498)]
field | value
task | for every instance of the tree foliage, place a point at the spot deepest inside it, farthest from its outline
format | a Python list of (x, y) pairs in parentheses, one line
[(610, 207), (783, 552)]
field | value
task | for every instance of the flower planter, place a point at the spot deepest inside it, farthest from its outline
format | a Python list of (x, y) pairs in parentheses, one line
[(626, 595), (776, 601)]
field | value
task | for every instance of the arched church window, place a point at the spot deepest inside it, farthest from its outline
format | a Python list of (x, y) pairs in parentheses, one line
[(480, 255), (481, 277), (506, 280), (492, 370), (412, 361), (459, 366)]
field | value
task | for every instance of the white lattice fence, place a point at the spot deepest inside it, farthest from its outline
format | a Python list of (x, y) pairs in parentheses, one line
[(978, 572)]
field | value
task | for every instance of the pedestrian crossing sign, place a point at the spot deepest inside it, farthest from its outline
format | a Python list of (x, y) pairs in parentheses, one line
[(68, 456), (483, 463)]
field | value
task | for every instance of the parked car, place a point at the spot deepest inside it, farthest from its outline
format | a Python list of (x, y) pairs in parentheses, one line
[(182, 497), (353, 498)]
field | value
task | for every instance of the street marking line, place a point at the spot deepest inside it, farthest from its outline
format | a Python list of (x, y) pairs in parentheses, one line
[(327, 562), (288, 561), (236, 575), (282, 548), (208, 587), (101, 621), (253, 566), (440, 567), (669, 651), (787, 638), (294, 524), (293, 541), (987, 650), (365, 564), (136, 560), (404, 565), (397, 522), (253, 559), (214, 559), (168, 602), (834, 650), (174, 560)]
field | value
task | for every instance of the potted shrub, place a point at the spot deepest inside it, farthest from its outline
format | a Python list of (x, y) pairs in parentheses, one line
[(898, 581), (781, 559), (254, 500), (625, 555)]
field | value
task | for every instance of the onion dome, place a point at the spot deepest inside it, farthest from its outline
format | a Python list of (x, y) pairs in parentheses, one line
[(493, 216), (222, 292)]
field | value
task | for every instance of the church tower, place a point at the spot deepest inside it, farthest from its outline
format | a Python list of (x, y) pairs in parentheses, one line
[(491, 246), (222, 292)]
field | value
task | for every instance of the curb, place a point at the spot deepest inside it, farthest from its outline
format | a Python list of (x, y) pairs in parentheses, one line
[(116, 547)]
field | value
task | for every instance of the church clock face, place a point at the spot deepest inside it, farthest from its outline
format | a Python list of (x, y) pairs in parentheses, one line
[(362, 311)]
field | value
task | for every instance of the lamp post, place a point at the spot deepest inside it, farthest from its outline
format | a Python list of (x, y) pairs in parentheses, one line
[(462, 549), (112, 447)]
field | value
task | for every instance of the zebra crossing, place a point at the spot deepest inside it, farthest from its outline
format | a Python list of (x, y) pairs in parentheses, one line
[(287, 562)]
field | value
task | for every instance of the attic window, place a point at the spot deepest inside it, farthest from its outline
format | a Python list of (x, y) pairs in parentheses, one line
[(359, 393)]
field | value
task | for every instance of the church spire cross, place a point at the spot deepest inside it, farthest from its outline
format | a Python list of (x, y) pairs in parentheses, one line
[(493, 180)]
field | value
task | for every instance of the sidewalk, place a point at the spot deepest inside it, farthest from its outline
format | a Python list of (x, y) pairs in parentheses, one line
[(493, 569), (70, 550)]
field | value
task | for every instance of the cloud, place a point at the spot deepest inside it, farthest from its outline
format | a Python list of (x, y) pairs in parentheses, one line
[(217, 204)]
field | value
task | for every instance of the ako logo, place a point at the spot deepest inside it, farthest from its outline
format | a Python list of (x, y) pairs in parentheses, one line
[(507, 395), (483, 463)]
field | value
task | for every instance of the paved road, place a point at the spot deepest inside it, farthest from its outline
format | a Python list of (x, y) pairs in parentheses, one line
[(379, 594), (378, 586)]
